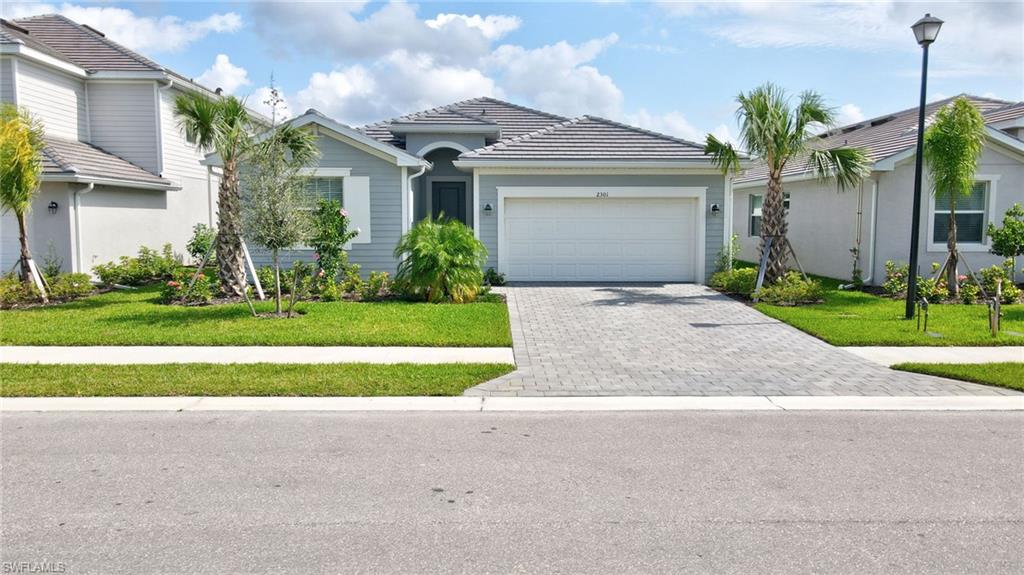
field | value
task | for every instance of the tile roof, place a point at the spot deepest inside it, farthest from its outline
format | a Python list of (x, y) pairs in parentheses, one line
[(1011, 112), (81, 45), (590, 138), (880, 137), (443, 116), (513, 119), (73, 158)]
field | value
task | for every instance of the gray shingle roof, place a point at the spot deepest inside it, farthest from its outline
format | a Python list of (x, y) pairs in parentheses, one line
[(81, 45), (1011, 112), (73, 158), (880, 137), (591, 139), (443, 116), (513, 119)]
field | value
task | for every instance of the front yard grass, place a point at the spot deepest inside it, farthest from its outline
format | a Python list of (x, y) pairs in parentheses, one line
[(263, 379), (854, 318), (1009, 375), (137, 318)]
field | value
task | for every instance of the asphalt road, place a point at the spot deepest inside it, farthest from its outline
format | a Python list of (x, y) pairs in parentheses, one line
[(514, 493)]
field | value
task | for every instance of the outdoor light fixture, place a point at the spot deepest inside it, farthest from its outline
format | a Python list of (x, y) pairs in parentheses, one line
[(52, 207), (715, 209), (925, 30), (488, 209)]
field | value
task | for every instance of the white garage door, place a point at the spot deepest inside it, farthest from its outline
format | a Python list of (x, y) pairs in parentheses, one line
[(600, 239)]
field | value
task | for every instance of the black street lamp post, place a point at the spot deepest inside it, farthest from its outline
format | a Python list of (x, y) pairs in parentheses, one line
[(925, 30)]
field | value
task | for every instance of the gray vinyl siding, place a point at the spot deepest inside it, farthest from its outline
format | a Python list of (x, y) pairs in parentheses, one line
[(6, 80), (385, 208), (415, 142), (715, 195), (180, 159), (124, 121), (56, 99)]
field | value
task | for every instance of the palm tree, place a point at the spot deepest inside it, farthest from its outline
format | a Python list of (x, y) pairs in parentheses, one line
[(222, 126), (776, 133), (952, 146), (21, 148)]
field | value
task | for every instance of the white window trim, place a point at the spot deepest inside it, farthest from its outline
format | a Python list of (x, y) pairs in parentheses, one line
[(786, 197), (326, 172), (990, 214), (698, 193)]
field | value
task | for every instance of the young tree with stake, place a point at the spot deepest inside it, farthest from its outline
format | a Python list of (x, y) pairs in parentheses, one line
[(21, 148)]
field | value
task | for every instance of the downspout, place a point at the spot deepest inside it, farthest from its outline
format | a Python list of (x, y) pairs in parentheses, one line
[(871, 233), (78, 225), (159, 125), (412, 193)]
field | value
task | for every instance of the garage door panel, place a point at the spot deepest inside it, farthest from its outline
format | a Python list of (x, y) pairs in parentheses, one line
[(612, 239)]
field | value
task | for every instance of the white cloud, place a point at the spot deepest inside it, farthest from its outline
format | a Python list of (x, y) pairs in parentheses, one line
[(341, 30), (225, 75), (492, 27), (978, 39), (142, 33), (676, 124), (557, 77), (849, 114)]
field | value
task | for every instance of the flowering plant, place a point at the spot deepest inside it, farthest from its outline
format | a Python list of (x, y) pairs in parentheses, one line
[(330, 234), (174, 290)]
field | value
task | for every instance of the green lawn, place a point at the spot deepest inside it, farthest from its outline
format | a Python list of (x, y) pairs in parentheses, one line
[(1009, 375), (856, 318), (136, 318), (243, 380)]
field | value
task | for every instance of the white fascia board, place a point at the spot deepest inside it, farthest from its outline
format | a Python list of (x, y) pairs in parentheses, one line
[(1005, 140), (400, 157), (76, 179), (469, 164), (134, 75), (1013, 123), (32, 54), (400, 128)]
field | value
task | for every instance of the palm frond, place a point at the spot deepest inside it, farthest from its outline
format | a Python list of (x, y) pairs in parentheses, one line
[(811, 110), (722, 154), (952, 146), (197, 118), (849, 166)]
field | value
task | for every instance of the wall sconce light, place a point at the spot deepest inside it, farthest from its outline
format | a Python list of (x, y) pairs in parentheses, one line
[(488, 209), (52, 207), (715, 209)]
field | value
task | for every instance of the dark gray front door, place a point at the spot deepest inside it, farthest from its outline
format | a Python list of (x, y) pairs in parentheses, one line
[(449, 199)]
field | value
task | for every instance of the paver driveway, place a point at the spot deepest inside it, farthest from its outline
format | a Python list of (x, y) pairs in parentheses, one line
[(680, 339)]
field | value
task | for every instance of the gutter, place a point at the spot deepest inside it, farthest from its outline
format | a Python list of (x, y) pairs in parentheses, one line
[(412, 193), (75, 179), (873, 230), (78, 224)]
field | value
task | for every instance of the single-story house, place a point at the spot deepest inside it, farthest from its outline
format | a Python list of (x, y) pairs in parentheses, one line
[(874, 218), (552, 198)]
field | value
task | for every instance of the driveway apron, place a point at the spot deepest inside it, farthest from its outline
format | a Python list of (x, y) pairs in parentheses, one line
[(680, 339)]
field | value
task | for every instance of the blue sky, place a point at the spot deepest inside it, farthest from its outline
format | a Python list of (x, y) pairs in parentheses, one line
[(669, 66)]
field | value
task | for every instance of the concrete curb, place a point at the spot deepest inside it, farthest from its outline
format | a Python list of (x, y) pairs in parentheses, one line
[(251, 354), (513, 404), (889, 356)]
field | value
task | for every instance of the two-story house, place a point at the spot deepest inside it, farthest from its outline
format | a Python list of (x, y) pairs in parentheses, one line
[(117, 172)]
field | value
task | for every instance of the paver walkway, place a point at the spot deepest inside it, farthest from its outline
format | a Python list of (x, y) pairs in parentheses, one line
[(680, 339), (952, 354)]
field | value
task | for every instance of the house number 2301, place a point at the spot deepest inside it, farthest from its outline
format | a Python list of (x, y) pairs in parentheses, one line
[(601, 195)]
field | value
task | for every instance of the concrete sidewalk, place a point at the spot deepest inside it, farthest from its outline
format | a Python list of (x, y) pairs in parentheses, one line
[(254, 354), (888, 356), (514, 404)]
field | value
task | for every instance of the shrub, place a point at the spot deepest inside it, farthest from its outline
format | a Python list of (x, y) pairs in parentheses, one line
[(895, 283), (441, 261), (991, 276), (739, 281), (791, 289), (353, 282), (493, 278), (201, 293), (932, 289), (66, 287), (14, 292), (53, 264), (149, 266), (727, 256), (377, 286), (201, 243), (328, 237), (969, 292)]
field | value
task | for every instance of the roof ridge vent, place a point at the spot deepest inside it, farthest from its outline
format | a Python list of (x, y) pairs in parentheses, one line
[(95, 31), (10, 24)]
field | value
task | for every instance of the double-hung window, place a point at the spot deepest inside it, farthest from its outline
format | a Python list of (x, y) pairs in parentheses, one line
[(971, 216), (756, 202)]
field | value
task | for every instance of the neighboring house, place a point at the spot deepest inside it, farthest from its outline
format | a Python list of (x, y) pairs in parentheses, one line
[(553, 199), (825, 223), (117, 172)]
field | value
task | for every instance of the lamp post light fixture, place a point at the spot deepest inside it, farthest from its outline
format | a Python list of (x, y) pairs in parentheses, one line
[(925, 30)]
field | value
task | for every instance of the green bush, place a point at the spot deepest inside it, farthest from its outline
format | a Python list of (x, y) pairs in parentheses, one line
[(147, 267), (377, 286), (329, 235), (14, 292), (353, 281), (66, 287), (201, 293), (53, 264), (201, 242), (493, 278), (969, 292), (895, 284), (991, 276), (738, 281), (791, 289), (441, 261)]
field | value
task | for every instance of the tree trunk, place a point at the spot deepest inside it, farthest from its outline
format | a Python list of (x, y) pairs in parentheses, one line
[(230, 259), (26, 271), (773, 224), (277, 284), (951, 267)]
